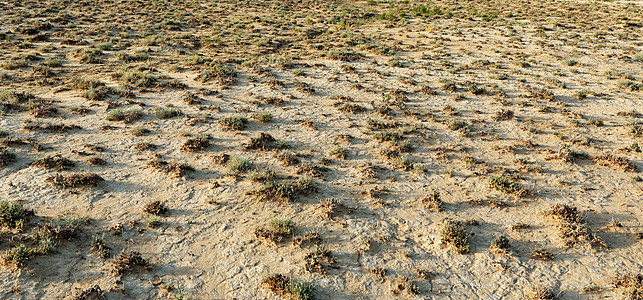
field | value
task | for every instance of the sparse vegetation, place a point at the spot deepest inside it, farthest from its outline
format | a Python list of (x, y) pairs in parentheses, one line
[(455, 235), (75, 180), (572, 228), (127, 116), (234, 123), (507, 186), (291, 288), (283, 191), (128, 262), (194, 131)]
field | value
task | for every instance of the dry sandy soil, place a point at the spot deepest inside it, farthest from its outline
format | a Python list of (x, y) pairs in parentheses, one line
[(359, 149)]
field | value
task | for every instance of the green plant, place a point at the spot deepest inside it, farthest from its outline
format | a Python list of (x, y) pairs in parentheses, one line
[(500, 245), (153, 221), (234, 123), (455, 235), (237, 166), (294, 289), (261, 176), (62, 228), (287, 191), (13, 214), (167, 113), (507, 186), (265, 142), (17, 256), (263, 117), (127, 116), (454, 124), (390, 136), (220, 73), (99, 247), (339, 152)]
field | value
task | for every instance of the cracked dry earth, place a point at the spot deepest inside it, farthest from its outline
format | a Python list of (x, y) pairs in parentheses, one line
[(364, 128)]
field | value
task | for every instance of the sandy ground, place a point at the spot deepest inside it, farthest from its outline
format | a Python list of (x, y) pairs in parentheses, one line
[(205, 247)]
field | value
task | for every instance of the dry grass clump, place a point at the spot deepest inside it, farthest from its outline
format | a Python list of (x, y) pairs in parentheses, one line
[(311, 237), (540, 293), (155, 208), (287, 158), (571, 226), (265, 142), (458, 125), (48, 127), (543, 94), (339, 152), (220, 159), (541, 254), (93, 292), (220, 73), (196, 144), (635, 127), (191, 99), (234, 123), (284, 191), (144, 146), (404, 284), (140, 131), (503, 114), (128, 261), (615, 161), (631, 286), (75, 180), (331, 208), (350, 108), (455, 235), (311, 170), (175, 169), (97, 161), (15, 141), (289, 288), (390, 136), (433, 201), (426, 90), (500, 246), (566, 154), (15, 97), (54, 162), (276, 231), (270, 100), (99, 248), (318, 260), (343, 55), (508, 186), (62, 228)]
